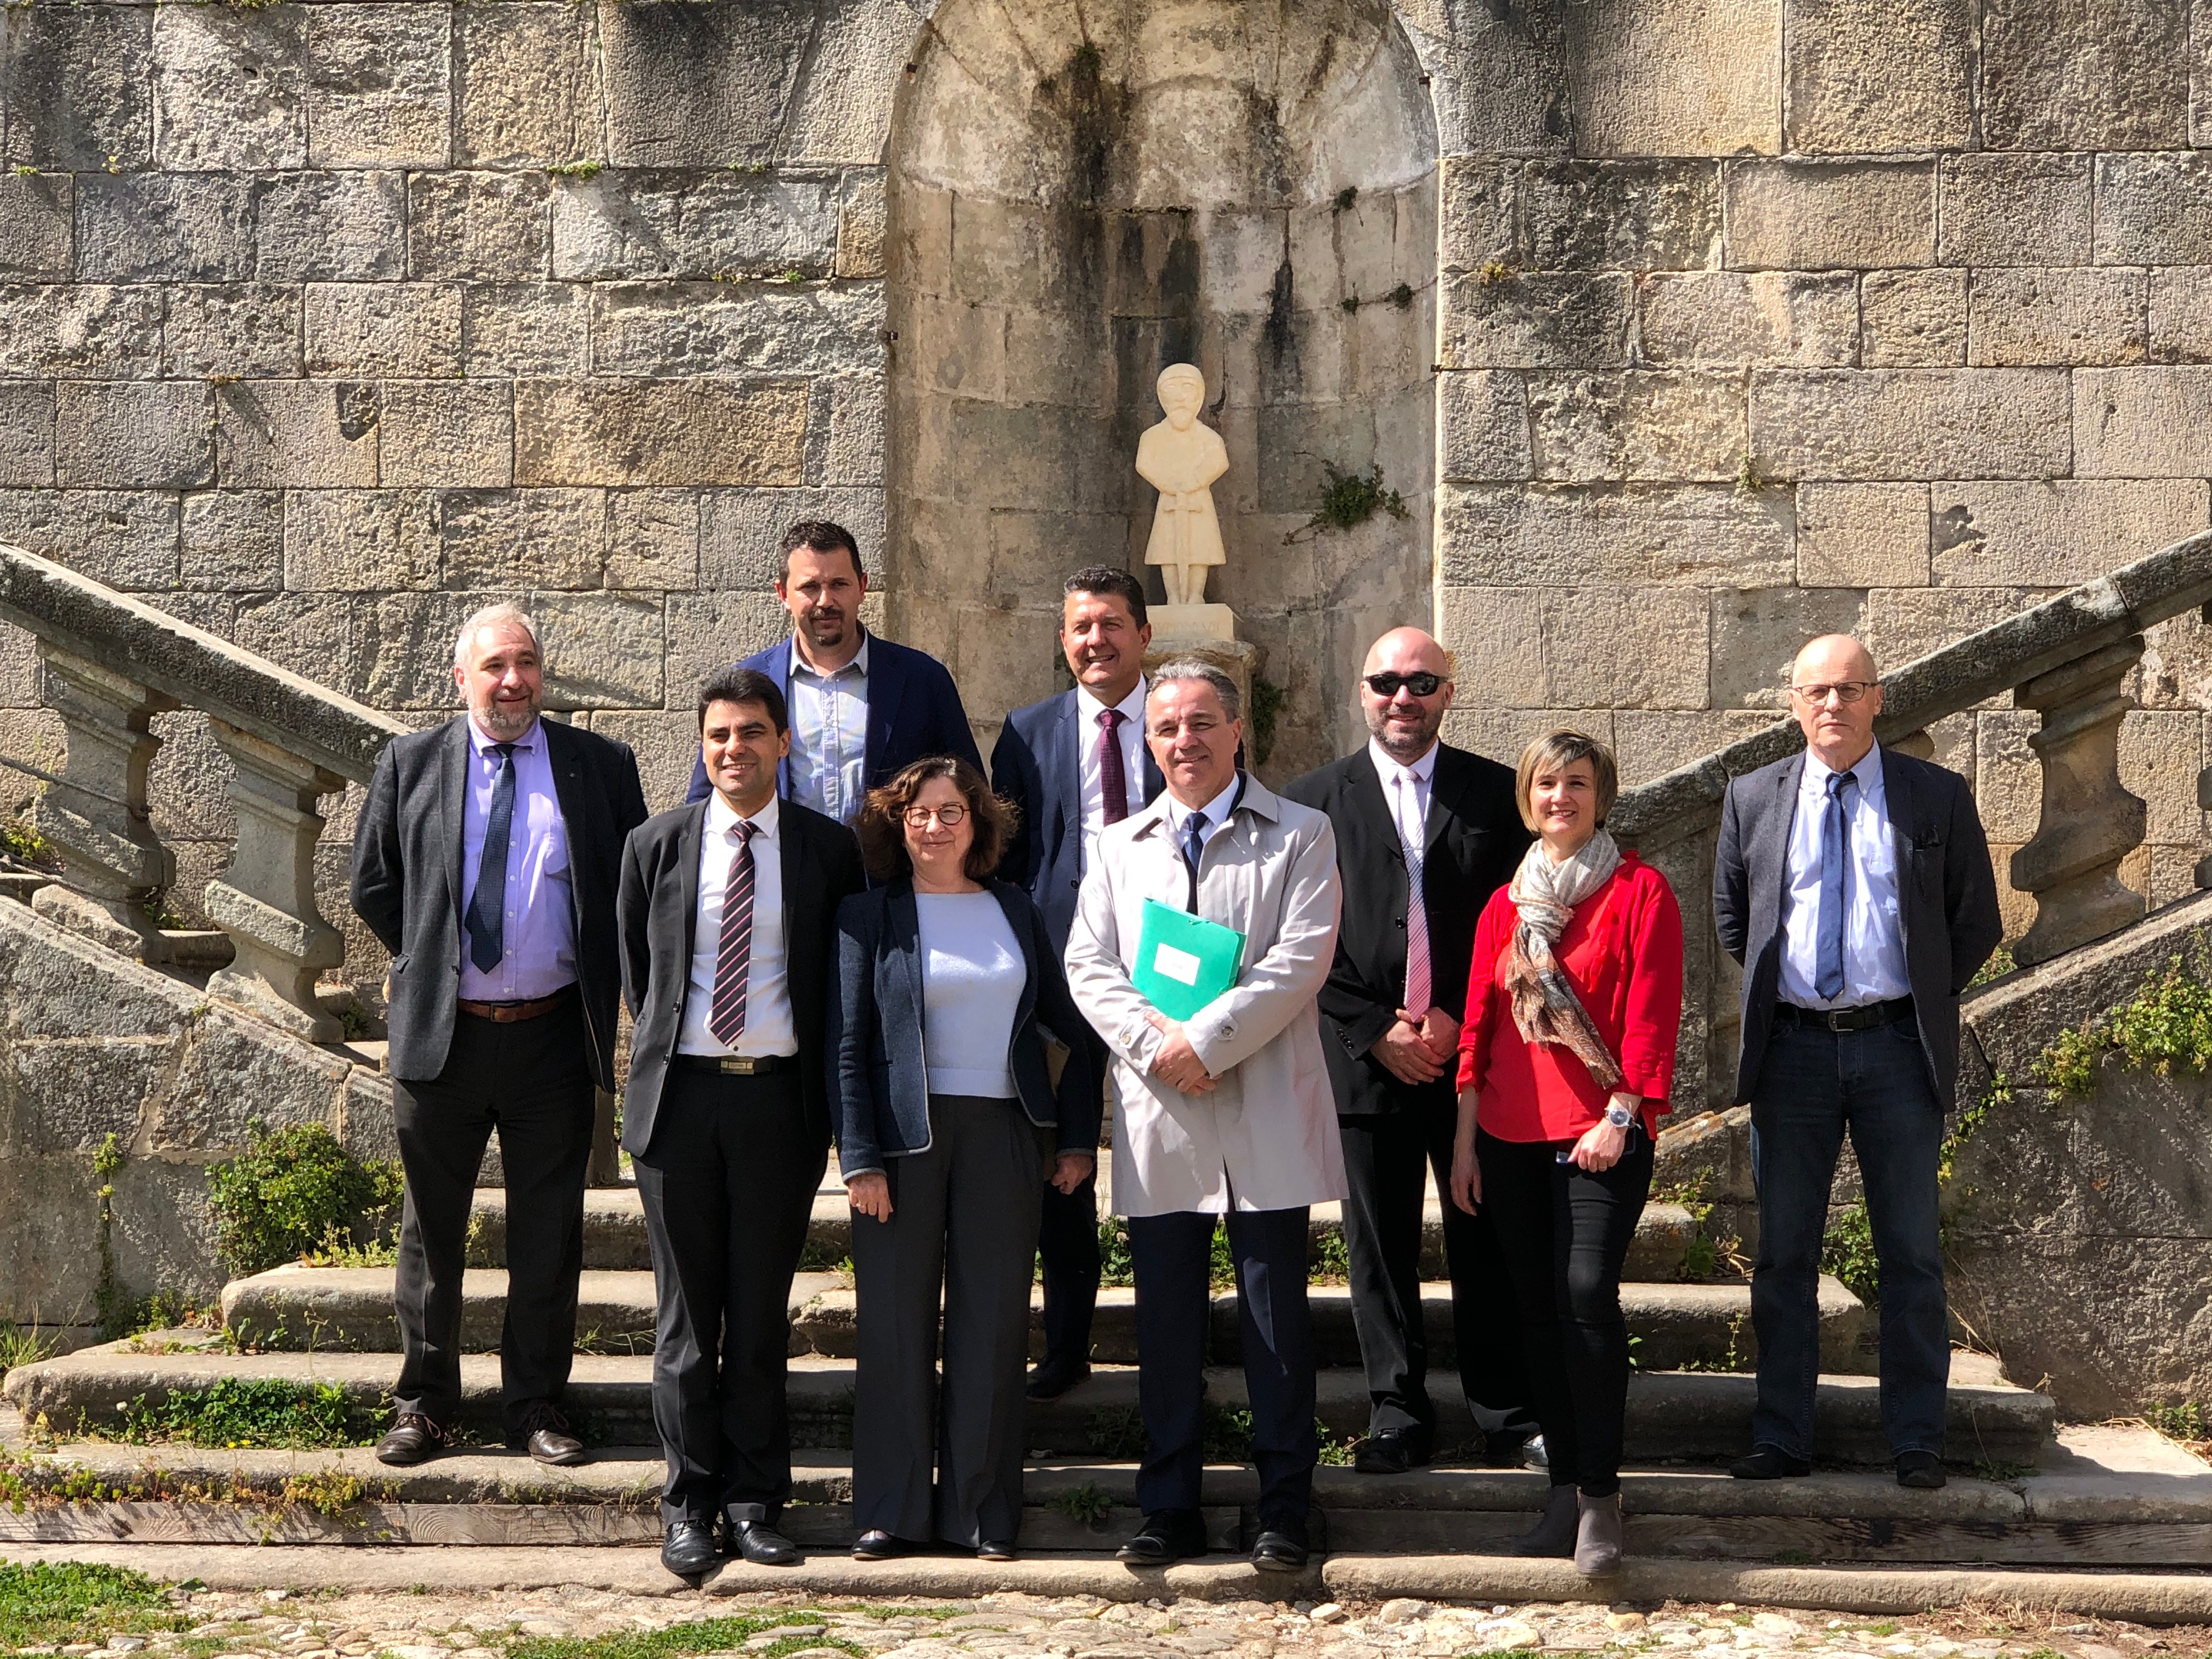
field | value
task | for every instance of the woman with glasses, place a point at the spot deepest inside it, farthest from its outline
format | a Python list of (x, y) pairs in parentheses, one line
[(947, 1115)]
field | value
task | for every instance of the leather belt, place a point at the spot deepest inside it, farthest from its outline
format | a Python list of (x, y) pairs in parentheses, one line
[(739, 1064), (506, 1013), (1865, 1017)]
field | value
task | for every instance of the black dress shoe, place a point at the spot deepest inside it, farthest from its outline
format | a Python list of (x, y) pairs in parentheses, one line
[(1769, 1463), (880, 1546), (1392, 1452), (413, 1440), (689, 1551), (993, 1549), (761, 1544), (1167, 1535), (1920, 1469), (546, 1435), (1279, 1550), (1054, 1376)]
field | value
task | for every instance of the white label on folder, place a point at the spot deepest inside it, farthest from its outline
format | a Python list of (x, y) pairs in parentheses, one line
[(1178, 965)]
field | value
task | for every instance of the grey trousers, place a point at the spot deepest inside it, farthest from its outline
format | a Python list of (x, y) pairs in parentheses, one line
[(947, 1462)]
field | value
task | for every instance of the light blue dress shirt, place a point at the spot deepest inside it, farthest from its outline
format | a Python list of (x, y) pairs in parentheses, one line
[(539, 926), (1874, 927), (829, 735)]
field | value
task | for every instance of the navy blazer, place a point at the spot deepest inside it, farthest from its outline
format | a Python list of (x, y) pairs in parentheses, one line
[(1037, 764), (913, 711), (879, 1081), (1947, 893)]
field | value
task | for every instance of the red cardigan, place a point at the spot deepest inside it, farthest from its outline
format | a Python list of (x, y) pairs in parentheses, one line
[(1622, 952)]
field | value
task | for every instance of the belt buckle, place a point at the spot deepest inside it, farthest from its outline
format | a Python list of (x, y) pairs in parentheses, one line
[(1833, 1019), (738, 1065)]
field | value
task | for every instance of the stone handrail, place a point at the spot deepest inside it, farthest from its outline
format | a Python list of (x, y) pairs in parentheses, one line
[(112, 663)]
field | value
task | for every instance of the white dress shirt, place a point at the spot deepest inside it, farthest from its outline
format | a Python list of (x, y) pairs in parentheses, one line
[(829, 735), (768, 1030), (538, 928), (1130, 734), (1216, 813), (1406, 788), (1873, 930)]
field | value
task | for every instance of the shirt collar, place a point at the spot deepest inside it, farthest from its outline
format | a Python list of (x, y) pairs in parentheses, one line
[(480, 743), (1387, 766), (1867, 772), (1217, 809), (720, 820), (859, 665), (1130, 708)]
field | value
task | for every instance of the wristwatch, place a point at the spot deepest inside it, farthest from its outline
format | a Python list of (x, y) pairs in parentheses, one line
[(1619, 1116)]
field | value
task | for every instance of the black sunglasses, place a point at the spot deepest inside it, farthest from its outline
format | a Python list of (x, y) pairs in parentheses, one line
[(1421, 685)]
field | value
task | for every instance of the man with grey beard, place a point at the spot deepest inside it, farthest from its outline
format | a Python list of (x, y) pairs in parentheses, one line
[(487, 859), (1424, 833)]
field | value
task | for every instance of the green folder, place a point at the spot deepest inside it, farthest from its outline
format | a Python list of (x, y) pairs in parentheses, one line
[(1183, 961)]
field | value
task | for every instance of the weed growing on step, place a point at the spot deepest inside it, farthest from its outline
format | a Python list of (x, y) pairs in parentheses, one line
[(2001, 1470), (19, 841), (242, 1411), (288, 1192), (22, 1345), (707, 1635), (2188, 1422), (1086, 1504), (52, 1601)]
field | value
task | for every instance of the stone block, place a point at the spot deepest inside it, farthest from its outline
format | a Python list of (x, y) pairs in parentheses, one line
[(952, 345), (1715, 317), (1699, 77), (2084, 74), (2087, 315), (715, 328), (1865, 76), (1558, 215), (1623, 648), (602, 650), (1517, 321), (331, 227), (479, 226), (838, 111), (360, 541), (1905, 623), (1497, 642), (88, 329), (1484, 414), (1649, 743), (379, 88), (845, 430), (78, 87), (296, 434), (230, 87), (391, 651), (653, 539), (665, 741), (27, 433), (186, 227), (692, 87), (2148, 422), (126, 539), (2057, 532), (233, 329), (1591, 429), (711, 630), (142, 434), (863, 227), (233, 540), (2155, 209), (2161, 752), (1756, 632), (188, 785), (659, 432), (1913, 319), (2181, 315), (37, 238), (627, 225), (1863, 535), (411, 329), (740, 530), (2012, 208), (546, 539), (1821, 215), (1694, 535), (236, 1069), (2008, 777), (447, 433), (525, 93), (1911, 423), (535, 328), (71, 1093)]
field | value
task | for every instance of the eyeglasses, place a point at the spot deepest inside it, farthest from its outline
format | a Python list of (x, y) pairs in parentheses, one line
[(918, 818), (1842, 691), (1421, 685)]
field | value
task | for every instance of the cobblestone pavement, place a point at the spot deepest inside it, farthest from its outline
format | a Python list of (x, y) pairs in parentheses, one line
[(281, 1624)]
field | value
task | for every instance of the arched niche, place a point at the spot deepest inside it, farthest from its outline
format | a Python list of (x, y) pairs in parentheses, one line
[(1081, 194)]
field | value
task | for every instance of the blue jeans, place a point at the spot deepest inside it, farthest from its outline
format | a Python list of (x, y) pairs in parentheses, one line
[(1811, 1084)]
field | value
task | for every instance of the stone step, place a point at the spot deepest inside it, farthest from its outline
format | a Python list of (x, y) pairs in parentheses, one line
[(294, 1308), (1673, 1416)]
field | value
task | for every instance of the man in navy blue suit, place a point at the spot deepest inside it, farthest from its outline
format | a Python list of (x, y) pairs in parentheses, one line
[(1074, 763), (862, 708)]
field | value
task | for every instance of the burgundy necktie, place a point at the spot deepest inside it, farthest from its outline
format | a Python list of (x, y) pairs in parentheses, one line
[(727, 1021), (1112, 776)]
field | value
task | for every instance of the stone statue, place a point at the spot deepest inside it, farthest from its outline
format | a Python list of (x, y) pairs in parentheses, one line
[(1180, 459)]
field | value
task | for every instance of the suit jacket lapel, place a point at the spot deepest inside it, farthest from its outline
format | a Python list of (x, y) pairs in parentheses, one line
[(777, 667), (1367, 798), (1897, 798), (885, 684), (454, 800), (1014, 902), (1065, 767), (562, 755), (906, 922), (689, 840), (1445, 801)]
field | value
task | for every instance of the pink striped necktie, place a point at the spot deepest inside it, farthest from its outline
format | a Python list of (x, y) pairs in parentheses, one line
[(732, 966), (1113, 775)]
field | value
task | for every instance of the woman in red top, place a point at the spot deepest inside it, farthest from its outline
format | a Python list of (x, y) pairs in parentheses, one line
[(1565, 1058)]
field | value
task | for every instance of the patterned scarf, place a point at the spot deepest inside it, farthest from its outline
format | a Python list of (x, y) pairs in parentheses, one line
[(1544, 1006)]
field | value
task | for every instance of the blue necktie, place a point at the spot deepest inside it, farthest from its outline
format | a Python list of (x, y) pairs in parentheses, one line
[(1835, 885), (1194, 846), (486, 919)]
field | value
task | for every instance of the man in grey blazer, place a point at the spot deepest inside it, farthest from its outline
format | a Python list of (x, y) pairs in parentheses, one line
[(1853, 885)]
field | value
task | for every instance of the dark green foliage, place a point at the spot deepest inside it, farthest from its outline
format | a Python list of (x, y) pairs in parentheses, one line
[(2167, 1029), (57, 1601), (1349, 500), (1267, 705), (288, 1192), (22, 842), (237, 1411), (707, 1635), (2188, 1422), (1848, 1252)]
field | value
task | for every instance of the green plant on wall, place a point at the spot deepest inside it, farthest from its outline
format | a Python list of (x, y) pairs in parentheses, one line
[(2167, 1029), (1349, 500), (290, 1192), (1267, 707)]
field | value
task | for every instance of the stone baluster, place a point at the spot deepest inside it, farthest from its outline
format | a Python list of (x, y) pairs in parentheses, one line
[(94, 812), (265, 901), (2089, 822)]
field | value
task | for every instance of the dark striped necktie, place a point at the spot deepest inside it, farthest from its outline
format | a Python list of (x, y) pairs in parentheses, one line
[(732, 966)]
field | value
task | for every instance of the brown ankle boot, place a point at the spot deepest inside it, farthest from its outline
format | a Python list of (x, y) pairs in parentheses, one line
[(1598, 1538), (1554, 1534)]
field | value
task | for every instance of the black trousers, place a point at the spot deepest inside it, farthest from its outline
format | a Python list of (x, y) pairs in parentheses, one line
[(1387, 1156), (532, 1080), (1565, 1233), (727, 1184), (1172, 1255), (1067, 1251)]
